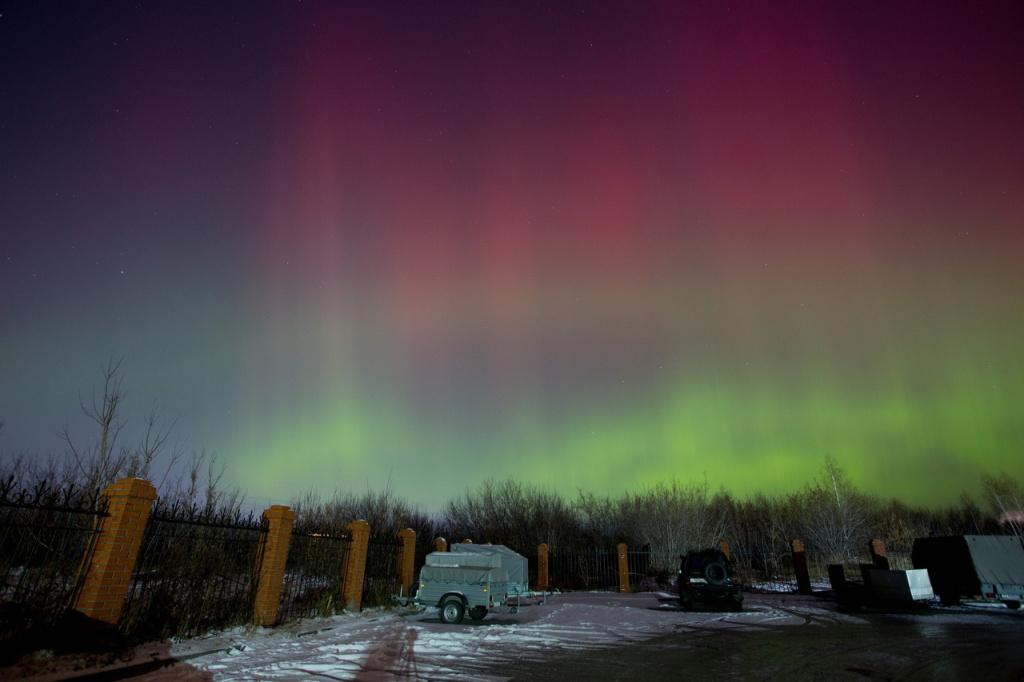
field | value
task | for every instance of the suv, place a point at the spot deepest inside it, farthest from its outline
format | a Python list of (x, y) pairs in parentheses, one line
[(705, 576)]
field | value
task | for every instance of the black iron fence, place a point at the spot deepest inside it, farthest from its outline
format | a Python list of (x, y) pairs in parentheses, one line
[(775, 571), (314, 573), (592, 568), (47, 535), (597, 568), (196, 572), (643, 574), (383, 577)]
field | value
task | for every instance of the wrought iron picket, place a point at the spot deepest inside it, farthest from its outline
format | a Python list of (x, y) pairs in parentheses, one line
[(47, 535), (314, 573), (196, 572), (382, 577)]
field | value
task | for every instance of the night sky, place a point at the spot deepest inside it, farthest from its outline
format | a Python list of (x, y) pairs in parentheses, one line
[(589, 245)]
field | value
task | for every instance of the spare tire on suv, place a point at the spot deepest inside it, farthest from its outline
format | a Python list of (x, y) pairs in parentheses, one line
[(706, 577)]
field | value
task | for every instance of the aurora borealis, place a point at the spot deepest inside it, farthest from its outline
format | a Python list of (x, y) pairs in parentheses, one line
[(587, 244)]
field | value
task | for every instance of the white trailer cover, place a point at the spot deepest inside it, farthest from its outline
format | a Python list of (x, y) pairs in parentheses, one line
[(467, 575), (463, 559), (513, 562)]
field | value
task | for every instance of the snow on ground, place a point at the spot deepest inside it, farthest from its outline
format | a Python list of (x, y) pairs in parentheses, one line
[(785, 586), (393, 644)]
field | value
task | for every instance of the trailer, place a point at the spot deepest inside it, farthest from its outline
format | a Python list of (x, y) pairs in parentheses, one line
[(474, 580), (973, 566)]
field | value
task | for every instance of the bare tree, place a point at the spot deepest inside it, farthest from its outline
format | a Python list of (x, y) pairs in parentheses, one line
[(599, 519), (386, 513), (97, 464), (153, 442), (1006, 497), (673, 518), (511, 513), (898, 524), (760, 533), (834, 514)]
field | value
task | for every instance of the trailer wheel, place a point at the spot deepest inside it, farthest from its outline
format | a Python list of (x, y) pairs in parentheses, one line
[(452, 610), (478, 612)]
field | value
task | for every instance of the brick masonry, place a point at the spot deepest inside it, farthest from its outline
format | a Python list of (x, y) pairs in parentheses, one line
[(542, 566), (623, 567), (109, 574), (803, 578), (407, 558), (276, 540), (355, 564), (878, 553)]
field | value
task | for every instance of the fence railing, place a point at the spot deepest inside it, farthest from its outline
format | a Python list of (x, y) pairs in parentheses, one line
[(593, 568), (383, 577), (314, 574), (775, 571), (193, 574), (47, 535), (638, 562), (598, 568), (155, 571)]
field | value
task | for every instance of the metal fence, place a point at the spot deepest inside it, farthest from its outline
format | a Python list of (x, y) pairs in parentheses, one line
[(592, 568), (597, 568), (775, 572), (47, 535), (382, 578), (314, 573), (643, 576), (196, 572)]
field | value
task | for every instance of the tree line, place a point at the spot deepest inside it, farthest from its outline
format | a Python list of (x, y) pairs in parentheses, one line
[(833, 517)]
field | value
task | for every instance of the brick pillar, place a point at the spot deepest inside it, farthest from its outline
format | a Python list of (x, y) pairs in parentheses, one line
[(355, 564), (542, 566), (878, 556), (109, 573), (724, 547), (275, 541), (440, 545), (623, 567), (407, 560), (803, 578)]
